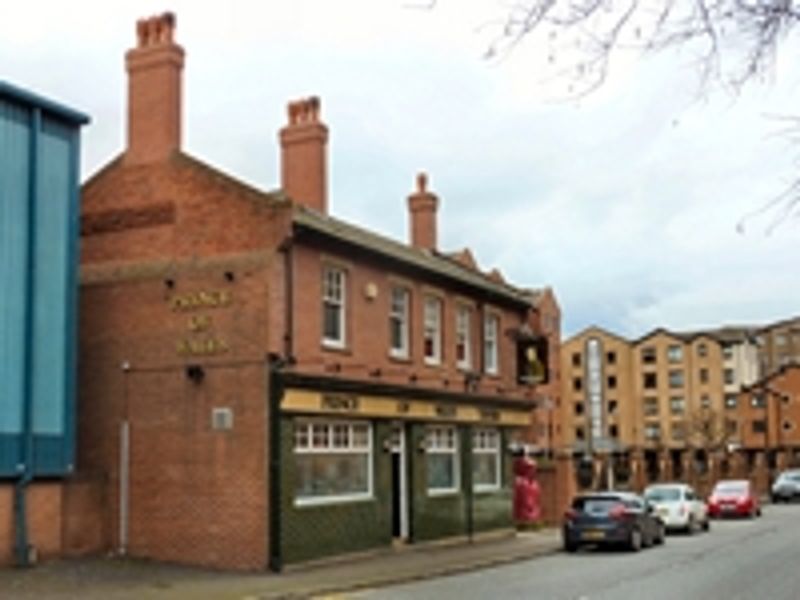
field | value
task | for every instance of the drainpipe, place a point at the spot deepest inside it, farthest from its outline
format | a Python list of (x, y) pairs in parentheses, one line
[(274, 395), (25, 466), (288, 286)]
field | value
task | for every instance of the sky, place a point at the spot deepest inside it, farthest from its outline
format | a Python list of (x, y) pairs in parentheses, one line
[(625, 202)]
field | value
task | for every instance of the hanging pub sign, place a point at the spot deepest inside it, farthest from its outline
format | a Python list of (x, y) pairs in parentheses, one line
[(532, 360)]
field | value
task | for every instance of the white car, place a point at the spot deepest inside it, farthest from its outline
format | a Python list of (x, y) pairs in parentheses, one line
[(678, 506)]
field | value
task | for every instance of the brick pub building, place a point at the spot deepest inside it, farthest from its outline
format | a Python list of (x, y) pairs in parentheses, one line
[(262, 383)]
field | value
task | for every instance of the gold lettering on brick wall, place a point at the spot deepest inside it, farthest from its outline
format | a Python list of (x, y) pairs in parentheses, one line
[(203, 299), (403, 407), (207, 347), (343, 402)]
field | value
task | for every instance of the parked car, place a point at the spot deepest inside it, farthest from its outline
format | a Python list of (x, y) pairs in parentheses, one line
[(611, 518), (678, 507), (786, 486), (734, 498)]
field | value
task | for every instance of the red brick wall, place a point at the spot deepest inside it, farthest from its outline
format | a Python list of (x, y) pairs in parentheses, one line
[(367, 328), (197, 495), (44, 510)]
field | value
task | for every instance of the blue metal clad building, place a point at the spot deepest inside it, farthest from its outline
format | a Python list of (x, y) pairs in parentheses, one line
[(39, 212)]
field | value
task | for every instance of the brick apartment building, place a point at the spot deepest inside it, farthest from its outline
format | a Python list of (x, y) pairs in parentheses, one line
[(679, 405), (262, 383), (654, 408)]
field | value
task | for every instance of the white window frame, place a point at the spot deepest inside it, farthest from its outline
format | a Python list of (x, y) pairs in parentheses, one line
[(329, 296), (432, 307), (437, 442), (463, 322), (402, 316), (491, 354), (487, 441), (329, 448)]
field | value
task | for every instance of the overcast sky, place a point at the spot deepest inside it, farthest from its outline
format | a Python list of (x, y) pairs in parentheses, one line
[(626, 202)]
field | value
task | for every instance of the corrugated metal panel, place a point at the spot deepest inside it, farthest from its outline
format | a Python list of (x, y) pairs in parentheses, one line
[(38, 280)]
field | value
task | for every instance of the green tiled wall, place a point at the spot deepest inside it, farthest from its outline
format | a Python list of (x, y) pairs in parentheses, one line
[(310, 532)]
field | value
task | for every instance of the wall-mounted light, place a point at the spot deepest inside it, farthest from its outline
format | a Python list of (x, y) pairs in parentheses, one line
[(370, 291), (229, 276), (169, 283), (376, 372), (413, 378), (195, 373), (422, 446)]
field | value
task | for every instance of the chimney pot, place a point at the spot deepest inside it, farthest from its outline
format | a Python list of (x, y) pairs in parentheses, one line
[(303, 154), (422, 207), (154, 91)]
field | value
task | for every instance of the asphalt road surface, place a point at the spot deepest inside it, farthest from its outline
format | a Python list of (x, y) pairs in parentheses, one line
[(736, 560)]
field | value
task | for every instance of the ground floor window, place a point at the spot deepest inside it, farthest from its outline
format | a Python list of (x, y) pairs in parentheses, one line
[(441, 444), (486, 460), (333, 461)]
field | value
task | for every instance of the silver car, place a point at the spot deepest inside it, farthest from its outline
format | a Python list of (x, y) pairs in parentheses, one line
[(678, 506), (786, 486)]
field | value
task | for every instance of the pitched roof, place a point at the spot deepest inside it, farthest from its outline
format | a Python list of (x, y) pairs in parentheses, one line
[(431, 261)]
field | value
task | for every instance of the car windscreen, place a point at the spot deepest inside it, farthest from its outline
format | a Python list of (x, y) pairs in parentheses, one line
[(664, 494), (595, 506), (731, 487)]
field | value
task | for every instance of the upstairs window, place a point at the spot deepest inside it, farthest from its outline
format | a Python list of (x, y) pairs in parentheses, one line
[(675, 353), (730, 401), (333, 307), (649, 355), (702, 349), (611, 358), (433, 330), (729, 376), (398, 323), (727, 351), (463, 352), (650, 381), (491, 324), (703, 375), (677, 405), (576, 359), (676, 379)]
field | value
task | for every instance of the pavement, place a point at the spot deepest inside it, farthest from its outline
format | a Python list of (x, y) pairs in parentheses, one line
[(116, 579)]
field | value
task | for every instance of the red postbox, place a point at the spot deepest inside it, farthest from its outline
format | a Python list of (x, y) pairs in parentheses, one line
[(527, 493)]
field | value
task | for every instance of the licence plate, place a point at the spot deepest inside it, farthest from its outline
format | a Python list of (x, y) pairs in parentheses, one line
[(663, 512), (593, 534)]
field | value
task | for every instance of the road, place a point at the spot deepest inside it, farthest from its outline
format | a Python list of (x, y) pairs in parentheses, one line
[(736, 560)]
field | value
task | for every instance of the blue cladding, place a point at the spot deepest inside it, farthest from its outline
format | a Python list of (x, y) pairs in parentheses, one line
[(39, 147)]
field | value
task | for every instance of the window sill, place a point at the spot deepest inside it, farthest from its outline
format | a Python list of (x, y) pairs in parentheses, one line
[(328, 500), (430, 362), (335, 347), (486, 489), (400, 358), (441, 493)]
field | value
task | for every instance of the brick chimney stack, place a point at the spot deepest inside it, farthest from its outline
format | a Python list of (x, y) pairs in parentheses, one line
[(303, 152), (154, 91), (422, 206)]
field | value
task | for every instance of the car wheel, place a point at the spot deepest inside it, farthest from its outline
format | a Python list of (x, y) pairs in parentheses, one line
[(707, 524), (635, 540), (661, 535), (570, 546), (758, 512), (690, 526)]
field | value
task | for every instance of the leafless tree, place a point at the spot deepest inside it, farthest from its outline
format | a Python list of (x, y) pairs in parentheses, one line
[(707, 429), (729, 42)]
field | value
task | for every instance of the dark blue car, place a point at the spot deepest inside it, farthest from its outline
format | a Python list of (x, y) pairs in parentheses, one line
[(611, 518)]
